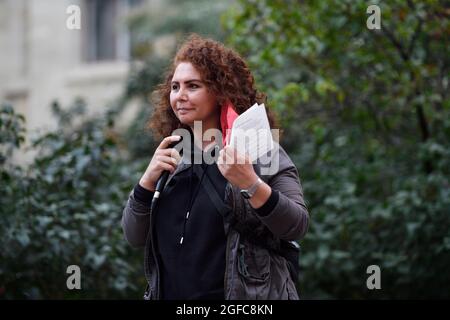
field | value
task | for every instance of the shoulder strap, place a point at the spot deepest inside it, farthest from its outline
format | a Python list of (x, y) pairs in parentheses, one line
[(218, 202)]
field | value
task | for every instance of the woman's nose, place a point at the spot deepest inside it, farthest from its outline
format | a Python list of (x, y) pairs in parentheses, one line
[(182, 95)]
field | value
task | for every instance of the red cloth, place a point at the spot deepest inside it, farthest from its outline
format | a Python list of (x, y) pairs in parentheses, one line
[(227, 117)]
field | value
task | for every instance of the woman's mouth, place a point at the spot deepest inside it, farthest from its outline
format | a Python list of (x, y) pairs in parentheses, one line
[(184, 110)]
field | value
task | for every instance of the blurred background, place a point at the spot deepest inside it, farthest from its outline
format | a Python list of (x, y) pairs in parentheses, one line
[(365, 113)]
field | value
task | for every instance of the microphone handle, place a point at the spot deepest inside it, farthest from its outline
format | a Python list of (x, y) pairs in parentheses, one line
[(163, 178), (161, 183)]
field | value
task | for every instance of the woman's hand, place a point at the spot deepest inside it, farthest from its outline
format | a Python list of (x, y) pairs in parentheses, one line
[(236, 168), (163, 159)]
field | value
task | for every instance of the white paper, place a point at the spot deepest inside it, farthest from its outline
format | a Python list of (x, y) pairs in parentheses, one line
[(251, 132)]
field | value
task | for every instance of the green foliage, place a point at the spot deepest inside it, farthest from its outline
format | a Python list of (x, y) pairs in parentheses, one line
[(174, 18), (366, 115), (65, 209), (11, 132)]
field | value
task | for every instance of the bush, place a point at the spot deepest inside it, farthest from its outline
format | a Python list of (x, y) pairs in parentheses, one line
[(65, 209), (366, 115)]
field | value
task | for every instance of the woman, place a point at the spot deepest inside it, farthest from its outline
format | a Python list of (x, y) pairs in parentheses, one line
[(218, 229)]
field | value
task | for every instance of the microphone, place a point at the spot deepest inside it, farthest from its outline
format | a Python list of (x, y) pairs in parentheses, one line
[(164, 176)]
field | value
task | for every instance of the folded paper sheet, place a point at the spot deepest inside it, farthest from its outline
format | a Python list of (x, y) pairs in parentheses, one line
[(251, 132)]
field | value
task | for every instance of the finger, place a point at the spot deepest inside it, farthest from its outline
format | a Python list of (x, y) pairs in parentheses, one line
[(167, 141), (237, 157), (221, 158), (247, 159), (231, 151), (244, 158), (168, 160), (166, 166), (230, 155), (241, 158), (170, 152), (175, 154), (225, 158)]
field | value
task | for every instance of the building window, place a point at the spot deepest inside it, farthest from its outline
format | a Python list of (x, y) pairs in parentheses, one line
[(105, 35)]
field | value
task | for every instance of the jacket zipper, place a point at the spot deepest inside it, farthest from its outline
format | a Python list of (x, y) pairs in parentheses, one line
[(157, 286), (154, 257), (228, 248), (226, 253)]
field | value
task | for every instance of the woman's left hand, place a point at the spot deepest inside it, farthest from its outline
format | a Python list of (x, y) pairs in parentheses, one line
[(236, 168)]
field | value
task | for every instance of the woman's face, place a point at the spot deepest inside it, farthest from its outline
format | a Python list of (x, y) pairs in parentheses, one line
[(190, 99)]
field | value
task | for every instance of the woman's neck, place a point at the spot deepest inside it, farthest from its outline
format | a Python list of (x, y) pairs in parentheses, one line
[(199, 134)]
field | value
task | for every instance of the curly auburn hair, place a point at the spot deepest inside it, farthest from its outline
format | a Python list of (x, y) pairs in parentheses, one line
[(224, 72)]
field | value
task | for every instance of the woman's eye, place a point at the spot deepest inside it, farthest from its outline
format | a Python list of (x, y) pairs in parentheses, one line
[(194, 86), (174, 87)]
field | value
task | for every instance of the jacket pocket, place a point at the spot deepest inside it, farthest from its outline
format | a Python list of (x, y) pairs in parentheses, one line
[(253, 266), (253, 263)]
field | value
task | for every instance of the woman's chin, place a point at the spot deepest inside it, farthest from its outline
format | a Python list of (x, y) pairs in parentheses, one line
[(186, 120)]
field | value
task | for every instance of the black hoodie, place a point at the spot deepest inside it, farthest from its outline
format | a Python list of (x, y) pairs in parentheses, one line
[(193, 269)]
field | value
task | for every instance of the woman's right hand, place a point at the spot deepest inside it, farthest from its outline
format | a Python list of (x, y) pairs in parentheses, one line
[(163, 159)]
